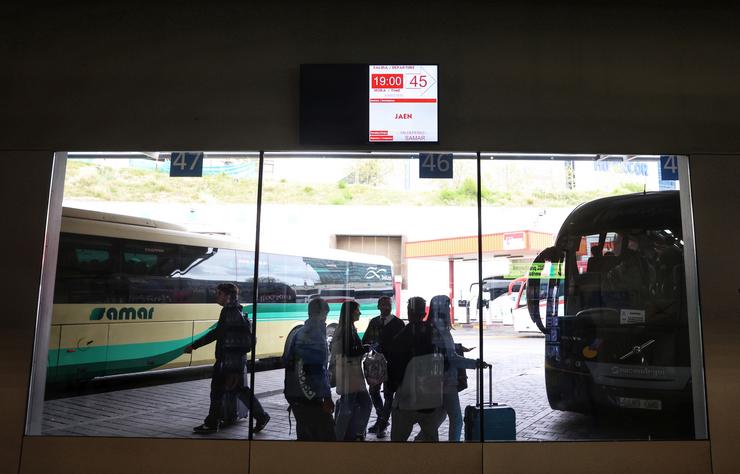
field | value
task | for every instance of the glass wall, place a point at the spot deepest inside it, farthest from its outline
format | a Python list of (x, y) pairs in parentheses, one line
[(593, 320), (382, 305), (370, 267), (140, 255)]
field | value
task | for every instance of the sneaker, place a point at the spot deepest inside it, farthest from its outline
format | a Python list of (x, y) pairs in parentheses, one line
[(373, 428), (205, 429), (261, 423)]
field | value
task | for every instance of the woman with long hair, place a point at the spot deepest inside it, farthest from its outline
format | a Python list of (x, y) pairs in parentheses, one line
[(353, 407)]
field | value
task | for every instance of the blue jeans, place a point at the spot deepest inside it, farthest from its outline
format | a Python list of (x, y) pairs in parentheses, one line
[(352, 413), (451, 405)]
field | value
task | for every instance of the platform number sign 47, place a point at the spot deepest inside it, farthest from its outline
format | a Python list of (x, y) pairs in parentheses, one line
[(435, 165), (186, 164), (669, 168)]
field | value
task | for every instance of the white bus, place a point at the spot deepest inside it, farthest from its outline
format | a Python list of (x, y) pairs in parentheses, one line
[(131, 293)]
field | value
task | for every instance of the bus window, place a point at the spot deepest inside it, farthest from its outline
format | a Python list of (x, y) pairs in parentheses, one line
[(202, 269), (147, 272), (288, 269), (245, 274), (85, 269)]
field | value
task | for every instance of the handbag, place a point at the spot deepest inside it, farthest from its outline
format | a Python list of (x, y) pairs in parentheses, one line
[(421, 387), (349, 376), (375, 367)]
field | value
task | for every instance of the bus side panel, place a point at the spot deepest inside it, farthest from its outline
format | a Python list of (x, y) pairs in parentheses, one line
[(274, 323), (136, 347), (53, 357), (205, 355), (83, 350), (271, 336)]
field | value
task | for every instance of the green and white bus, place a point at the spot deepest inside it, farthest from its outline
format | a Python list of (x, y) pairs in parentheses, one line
[(130, 293)]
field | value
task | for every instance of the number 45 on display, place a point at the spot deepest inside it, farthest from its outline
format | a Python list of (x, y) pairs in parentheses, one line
[(435, 165)]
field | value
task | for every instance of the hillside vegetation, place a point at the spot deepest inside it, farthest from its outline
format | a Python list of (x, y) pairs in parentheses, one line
[(104, 183)]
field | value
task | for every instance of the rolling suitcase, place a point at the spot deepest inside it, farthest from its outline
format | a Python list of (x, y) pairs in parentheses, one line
[(499, 420)]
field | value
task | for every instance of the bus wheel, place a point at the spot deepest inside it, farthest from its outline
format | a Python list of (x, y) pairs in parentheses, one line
[(566, 392)]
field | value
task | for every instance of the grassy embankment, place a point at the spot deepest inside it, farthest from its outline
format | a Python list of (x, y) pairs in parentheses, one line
[(89, 181)]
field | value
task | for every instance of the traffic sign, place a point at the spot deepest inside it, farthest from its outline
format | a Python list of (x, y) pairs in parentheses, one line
[(186, 164), (435, 165)]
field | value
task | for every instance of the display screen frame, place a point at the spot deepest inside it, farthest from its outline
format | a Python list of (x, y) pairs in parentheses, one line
[(330, 110), (416, 143)]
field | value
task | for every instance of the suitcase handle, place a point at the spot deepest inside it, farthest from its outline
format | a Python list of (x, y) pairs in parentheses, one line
[(490, 387)]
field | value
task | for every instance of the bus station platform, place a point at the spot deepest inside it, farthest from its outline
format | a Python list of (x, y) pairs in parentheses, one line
[(171, 410)]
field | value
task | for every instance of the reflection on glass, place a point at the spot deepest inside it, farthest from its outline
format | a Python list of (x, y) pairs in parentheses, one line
[(620, 337), (368, 301), (135, 285), (367, 237), (607, 291)]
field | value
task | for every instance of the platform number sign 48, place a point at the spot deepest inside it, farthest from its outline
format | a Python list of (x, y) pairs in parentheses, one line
[(186, 164), (435, 165), (669, 168)]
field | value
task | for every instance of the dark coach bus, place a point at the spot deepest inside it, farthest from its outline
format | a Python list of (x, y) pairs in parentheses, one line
[(622, 340)]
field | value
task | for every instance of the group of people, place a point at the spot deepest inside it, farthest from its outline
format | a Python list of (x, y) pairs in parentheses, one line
[(420, 376)]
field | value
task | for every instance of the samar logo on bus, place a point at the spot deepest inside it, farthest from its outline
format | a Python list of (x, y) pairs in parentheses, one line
[(117, 314)]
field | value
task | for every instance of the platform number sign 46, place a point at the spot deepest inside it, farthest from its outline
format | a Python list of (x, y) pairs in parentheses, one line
[(669, 168), (186, 164), (435, 165)]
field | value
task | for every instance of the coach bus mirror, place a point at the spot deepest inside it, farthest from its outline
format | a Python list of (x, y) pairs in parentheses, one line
[(550, 254)]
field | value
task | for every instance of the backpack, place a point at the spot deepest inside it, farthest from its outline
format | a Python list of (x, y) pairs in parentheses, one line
[(296, 383), (422, 383), (238, 335), (300, 373), (376, 368)]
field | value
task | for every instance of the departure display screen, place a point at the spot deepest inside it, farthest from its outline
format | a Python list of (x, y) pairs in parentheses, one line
[(403, 103)]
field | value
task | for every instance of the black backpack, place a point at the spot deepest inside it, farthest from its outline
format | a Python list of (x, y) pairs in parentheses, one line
[(238, 336)]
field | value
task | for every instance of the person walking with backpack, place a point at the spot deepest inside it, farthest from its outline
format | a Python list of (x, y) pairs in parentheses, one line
[(379, 336), (418, 374), (233, 336), (354, 405), (306, 379), (439, 316)]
